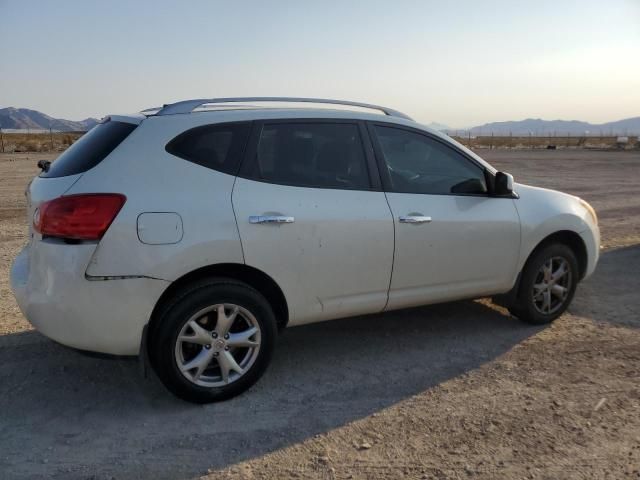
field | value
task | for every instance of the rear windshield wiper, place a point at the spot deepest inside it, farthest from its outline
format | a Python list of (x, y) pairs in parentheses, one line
[(44, 165)]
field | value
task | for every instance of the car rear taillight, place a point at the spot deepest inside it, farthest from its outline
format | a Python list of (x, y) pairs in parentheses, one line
[(78, 217)]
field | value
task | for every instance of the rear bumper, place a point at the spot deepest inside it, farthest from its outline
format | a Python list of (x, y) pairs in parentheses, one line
[(106, 316)]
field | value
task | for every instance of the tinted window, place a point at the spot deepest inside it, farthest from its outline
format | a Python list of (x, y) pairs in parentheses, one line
[(420, 164), (219, 147), (90, 149), (323, 155)]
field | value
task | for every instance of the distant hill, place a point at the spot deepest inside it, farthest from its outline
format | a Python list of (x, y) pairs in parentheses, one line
[(537, 126), (23, 118)]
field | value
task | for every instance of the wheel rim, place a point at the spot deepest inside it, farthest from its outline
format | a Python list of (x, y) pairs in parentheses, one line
[(217, 345), (552, 285)]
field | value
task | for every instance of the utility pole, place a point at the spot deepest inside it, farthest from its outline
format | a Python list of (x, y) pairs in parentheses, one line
[(50, 137), (2, 139)]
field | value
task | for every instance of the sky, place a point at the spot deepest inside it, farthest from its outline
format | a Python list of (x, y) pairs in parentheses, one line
[(460, 63)]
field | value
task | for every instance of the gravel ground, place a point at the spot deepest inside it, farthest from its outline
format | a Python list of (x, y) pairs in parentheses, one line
[(457, 391)]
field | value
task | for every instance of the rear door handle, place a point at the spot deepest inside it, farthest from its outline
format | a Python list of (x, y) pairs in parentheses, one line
[(414, 219), (270, 219)]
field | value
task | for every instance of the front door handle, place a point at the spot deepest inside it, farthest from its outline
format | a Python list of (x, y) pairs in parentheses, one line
[(270, 219), (414, 219)]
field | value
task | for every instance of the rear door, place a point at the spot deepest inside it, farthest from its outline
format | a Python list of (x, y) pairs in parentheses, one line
[(453, 240), (311, 214)]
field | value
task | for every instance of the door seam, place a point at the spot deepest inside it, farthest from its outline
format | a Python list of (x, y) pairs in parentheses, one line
[(235, 216), (393, 256)]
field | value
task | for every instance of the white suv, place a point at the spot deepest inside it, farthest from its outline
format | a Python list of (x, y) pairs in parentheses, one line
[(195, 232)]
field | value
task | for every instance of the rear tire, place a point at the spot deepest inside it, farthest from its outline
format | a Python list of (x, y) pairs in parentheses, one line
[(547, 285), (213, 341)]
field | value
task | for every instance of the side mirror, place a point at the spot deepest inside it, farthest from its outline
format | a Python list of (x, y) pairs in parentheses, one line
[(503, 184)]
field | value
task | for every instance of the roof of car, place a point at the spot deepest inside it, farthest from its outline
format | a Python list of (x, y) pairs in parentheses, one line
[(188, 106), (220, 115), (259, 113)]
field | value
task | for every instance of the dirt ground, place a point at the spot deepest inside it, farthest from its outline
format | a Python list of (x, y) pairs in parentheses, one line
[(449, 391)]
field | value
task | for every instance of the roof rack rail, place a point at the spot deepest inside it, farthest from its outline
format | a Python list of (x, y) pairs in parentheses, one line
[(187, 106)]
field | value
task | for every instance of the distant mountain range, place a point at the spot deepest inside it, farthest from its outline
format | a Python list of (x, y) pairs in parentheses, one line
[(22, 119), (539, 127)]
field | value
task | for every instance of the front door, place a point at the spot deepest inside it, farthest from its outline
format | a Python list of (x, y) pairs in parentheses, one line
[(453, 240), (310, 216)]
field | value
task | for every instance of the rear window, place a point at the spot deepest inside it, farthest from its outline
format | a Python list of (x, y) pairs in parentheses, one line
[(90, 149), (218, 147)]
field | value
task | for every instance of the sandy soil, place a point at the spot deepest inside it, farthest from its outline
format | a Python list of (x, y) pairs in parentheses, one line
[(450, 391)]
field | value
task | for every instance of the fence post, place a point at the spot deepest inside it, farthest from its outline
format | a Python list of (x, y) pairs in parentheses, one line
[(491, 144), (51, 138), (2, 139)]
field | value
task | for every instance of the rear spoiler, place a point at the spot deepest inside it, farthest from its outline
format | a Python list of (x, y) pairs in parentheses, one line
[(133, 118)]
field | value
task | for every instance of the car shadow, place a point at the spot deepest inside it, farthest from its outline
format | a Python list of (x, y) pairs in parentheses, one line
[(68, 415)]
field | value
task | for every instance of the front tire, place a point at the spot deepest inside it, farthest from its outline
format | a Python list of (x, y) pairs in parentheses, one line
[(213, 341), (547, 286)]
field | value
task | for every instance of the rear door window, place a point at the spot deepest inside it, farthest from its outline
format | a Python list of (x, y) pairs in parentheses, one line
[(320, 155), (218, 147), (90, 149)]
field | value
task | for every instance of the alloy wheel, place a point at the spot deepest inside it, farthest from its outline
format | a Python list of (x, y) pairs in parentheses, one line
[(552, 285), (217, 345)]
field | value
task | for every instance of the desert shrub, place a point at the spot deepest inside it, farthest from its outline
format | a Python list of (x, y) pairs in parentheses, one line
[(27, 146)]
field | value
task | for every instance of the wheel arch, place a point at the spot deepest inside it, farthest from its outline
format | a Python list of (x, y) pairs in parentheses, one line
[(255, 278), (569, 238), (572, 240)]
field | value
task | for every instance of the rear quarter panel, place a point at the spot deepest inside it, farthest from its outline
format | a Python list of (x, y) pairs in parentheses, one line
[(156, 181)]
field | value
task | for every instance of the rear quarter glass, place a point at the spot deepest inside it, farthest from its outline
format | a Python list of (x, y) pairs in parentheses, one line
[(90, 149), (218, 146)]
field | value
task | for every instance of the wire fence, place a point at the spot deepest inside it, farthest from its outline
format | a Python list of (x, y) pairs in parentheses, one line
[(551, 142), (36, 141)]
